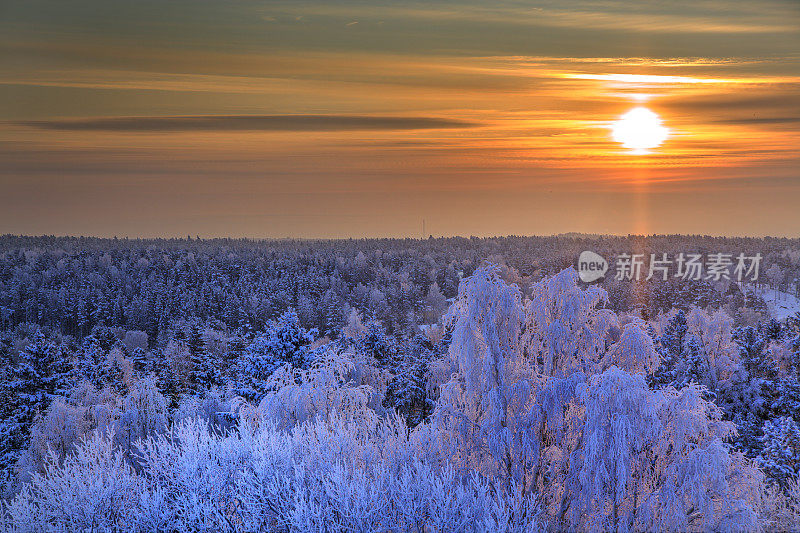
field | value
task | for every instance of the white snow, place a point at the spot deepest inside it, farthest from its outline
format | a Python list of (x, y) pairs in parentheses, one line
[(780, 304)]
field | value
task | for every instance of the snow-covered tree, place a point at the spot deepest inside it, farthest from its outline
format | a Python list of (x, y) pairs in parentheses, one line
[(408, 392), (566, 331), (143, 415), (203, 371), (780, 451), (486, 406), (672, 346), (603, 450), (753, 350), (375, 343), (283, 341), (39, 376), (141, 363), (634, 352)]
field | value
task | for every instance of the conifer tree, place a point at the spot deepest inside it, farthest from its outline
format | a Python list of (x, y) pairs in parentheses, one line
[(233, 355), (284, 340), (408, 391), (780, 452), (202, 372), (141, 363), (38, 377)]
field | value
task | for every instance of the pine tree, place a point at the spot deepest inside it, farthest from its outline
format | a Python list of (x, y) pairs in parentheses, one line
[(672, 347), (772, 330), (6, 373), (331, 313), (195, 342), (283, 341), (166, 380), (754, 353), (141, 363), (787, 398), (673, 340), (693, 369), (202, 372), (378, 345), (408, 392), (780, 454), (37, 378), (233, 355), (111, 373), (90, 362)]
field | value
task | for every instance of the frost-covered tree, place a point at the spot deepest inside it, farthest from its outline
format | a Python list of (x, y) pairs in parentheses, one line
[(295, 395), (408, 392), (655, 461), (566, 329), (93, 488), (713, 335), (603, 450), (375, 343), (780, 450), (634, 352), (283, 341), (672, 346), (753, 350), (39, 376), (203, 372), (333, 476), (143, 415), (621, 427), (485, 409), (141, 363), (435, 304)]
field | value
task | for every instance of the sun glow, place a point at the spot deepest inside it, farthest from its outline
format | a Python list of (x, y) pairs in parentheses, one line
[(640, 130)]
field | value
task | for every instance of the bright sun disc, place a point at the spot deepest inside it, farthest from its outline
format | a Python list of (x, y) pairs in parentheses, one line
[(639, 129)]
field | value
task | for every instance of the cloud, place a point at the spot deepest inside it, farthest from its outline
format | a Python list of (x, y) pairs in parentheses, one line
[(786, 100), (685, 16), (248, 123), (762, 120)]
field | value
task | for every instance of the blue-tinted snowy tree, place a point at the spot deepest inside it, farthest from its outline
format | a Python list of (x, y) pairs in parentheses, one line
[(283, 341), (39, 376), (672, 346), (408, 392), (780, 450)]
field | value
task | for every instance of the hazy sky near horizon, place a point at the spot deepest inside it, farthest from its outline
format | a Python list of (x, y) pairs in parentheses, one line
[(362, 118)]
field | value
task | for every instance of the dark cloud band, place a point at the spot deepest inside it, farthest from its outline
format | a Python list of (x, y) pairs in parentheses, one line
[(249, 123)]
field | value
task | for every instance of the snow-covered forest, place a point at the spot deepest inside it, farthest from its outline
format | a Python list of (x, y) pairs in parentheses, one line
[(394, 385)]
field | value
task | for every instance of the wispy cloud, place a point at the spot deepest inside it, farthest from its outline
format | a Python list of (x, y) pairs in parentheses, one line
[(248, 123), (674, 17), (661, 22), (656, 79), (762, 120)]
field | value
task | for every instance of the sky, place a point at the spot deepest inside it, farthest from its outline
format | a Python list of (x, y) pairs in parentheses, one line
[(365, 118)]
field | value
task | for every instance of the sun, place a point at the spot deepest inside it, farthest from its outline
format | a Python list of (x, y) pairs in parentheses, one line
[(640, 130)]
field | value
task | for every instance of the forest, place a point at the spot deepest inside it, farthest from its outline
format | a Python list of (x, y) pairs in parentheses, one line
[(439, 384)]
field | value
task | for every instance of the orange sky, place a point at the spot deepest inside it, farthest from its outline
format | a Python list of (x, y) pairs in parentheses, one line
[(306, 119)]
